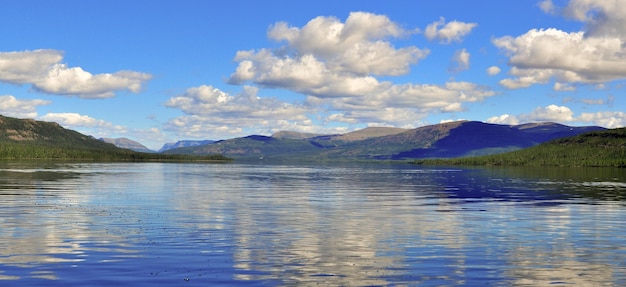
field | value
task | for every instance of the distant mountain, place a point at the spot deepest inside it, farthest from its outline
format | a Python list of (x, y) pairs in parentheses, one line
[(473, 138), (446, 140), (127, 144), (362, 134), (184, 143), (294, 135)]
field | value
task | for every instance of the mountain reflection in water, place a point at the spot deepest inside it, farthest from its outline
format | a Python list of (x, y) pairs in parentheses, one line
[(64, 224)]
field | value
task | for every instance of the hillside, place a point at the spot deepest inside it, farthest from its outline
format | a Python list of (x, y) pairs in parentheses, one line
[(592, 149), (446, 140), (31, 139)]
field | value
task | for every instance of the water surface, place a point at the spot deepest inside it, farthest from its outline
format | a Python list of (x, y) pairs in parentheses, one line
[(156, 224)]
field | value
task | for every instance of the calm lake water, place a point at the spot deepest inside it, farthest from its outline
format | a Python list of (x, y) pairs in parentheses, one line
[(156, 224)]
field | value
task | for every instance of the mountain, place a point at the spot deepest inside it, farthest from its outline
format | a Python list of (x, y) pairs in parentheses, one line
[(366, 133), (32, 132), (472, 138), (184, 143), (127, 144), (252, 147), (31, 139), (446, 140), (294, 135), (600, 148), (27, 138)]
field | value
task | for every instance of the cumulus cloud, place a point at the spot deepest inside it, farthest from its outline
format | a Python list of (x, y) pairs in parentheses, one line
[(337, 66), (449, 32), (605, 119), (358, 46), (563, 87), (550, 113), (44, 71), (504, 119), (493, 70), (596, 55), (603, 18), (547, 6), (210, 110), (12, 107), (460, 61), (563, 114), (326, 50), (209, 101)]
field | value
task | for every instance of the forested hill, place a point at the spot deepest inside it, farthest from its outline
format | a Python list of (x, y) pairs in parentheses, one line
[(32, 132), (31, 139), (593, 149)]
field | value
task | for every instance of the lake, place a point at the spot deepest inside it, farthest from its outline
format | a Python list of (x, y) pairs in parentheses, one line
[(187, 224)]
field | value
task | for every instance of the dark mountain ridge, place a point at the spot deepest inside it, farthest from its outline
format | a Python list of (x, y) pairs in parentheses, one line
[(446, 140)]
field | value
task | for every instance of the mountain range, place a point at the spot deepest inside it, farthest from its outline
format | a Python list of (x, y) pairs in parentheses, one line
[(446, 140)]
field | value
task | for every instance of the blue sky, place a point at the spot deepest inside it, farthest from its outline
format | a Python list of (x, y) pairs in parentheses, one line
[(162, 71)]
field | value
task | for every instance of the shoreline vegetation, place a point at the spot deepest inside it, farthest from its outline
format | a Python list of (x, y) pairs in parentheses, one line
[(593, 149)]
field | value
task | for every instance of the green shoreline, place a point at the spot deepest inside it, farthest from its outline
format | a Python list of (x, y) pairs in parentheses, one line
[(594, 149)]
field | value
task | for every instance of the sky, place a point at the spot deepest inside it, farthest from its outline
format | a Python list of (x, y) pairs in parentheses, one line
[(162, 71)]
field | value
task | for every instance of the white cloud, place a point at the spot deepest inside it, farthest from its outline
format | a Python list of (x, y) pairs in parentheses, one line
[(358, 46), (45, 72), (328, 58), (593, 56), (327, 37), (605, 119), (504, 119), (493, 70), (209, 110), (547, 6), (75, 120), (336, 65), (450, 32), (460, 61), (210, 101), (12, 107), (550, 113), (563, 87), (604, 18), (564, 115)]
